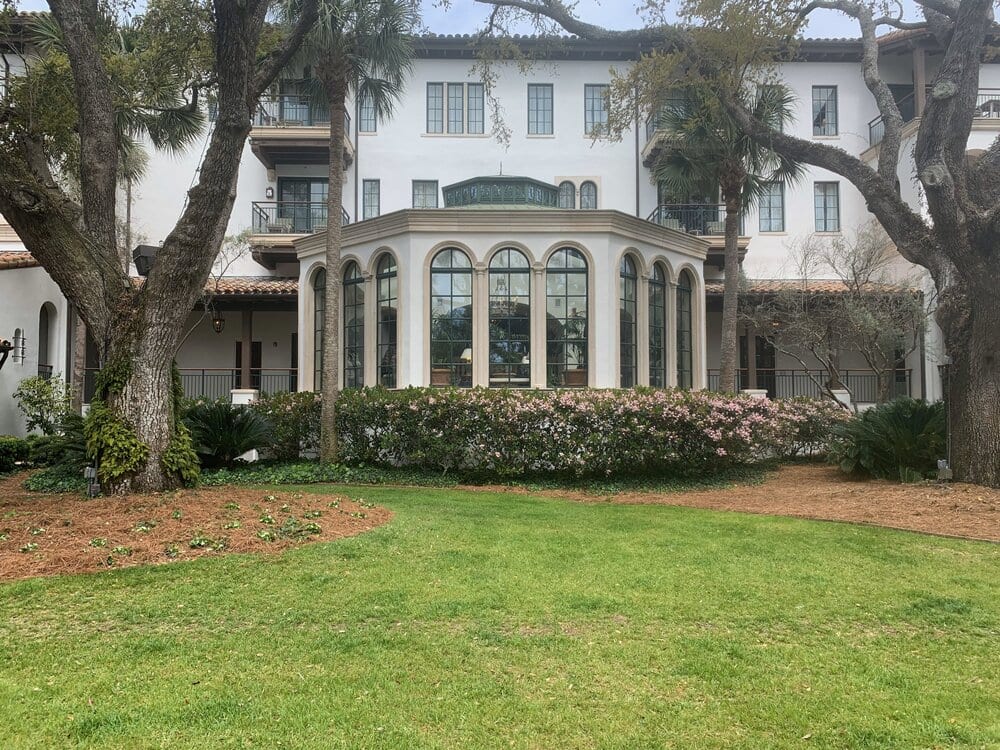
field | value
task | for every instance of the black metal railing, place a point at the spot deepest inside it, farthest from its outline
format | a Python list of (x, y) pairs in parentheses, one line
[(291, 217), (294, 110), (987, 106), (215, 383), (785, 383), (693, 218)]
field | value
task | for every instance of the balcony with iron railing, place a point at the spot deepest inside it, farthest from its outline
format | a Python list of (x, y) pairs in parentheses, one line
[(290, 217), (987, 107), (217, 383), (295, 129), (790, 383), (693, 218)]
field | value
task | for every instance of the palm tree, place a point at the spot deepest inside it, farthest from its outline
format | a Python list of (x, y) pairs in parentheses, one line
[(361, 49), (708, 152)]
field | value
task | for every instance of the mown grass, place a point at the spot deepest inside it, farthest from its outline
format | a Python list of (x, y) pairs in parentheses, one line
[(480, 620)]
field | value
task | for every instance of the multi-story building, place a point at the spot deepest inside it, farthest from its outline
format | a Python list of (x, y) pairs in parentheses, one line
[(548, 258)]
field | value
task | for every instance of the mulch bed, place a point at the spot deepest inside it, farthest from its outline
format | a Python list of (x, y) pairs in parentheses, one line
[(823, 492), (43, 535)]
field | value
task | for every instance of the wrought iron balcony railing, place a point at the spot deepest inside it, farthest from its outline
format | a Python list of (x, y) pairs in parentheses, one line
[(215, 383), (863, 384), (987, 106), (693, 218), (291, 217), (294, 110)]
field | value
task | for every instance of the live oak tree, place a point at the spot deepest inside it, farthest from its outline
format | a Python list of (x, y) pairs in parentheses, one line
[(47, 161), (361, 49), (960, 245)]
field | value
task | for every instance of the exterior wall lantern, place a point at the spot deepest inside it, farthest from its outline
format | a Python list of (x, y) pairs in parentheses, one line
[(269, 193), (218, 322)]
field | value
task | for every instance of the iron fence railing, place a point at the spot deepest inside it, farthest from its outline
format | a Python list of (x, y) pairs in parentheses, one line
[(294, 110), (215, 383), (291, 217), (693, 218), (987, 106), (787, 383)]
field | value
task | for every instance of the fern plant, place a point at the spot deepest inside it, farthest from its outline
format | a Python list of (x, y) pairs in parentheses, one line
[(902, 440)]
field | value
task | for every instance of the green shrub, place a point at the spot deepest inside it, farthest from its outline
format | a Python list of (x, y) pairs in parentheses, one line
[(809, 426), (45, 402), (586, 433), (13, 450), (222, 432), (900, 440), (67, 447), (294, 420), (58, 478)]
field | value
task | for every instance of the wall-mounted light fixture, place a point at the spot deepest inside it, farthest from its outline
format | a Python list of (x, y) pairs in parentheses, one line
[(218, 322), (269, 193)]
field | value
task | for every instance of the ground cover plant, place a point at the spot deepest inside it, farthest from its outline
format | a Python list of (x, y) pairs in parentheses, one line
[(485, 619)]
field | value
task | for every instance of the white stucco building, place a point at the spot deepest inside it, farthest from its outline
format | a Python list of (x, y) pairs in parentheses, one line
[(545, 259)]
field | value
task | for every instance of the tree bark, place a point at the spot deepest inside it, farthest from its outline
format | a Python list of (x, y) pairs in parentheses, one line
[(336, 88), (729, 349)]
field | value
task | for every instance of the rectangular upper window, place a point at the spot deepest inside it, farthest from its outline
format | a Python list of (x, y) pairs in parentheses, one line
[(595, 109), (371, 198), (425, 194), (539, 109), (824, 110), (367, 122), (456, 108), (826, 199), (772, 207)]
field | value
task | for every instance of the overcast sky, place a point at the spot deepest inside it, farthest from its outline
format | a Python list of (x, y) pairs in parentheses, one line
[(467, 16)]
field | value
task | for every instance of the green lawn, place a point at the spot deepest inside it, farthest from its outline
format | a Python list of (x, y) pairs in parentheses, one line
[(476, 620)]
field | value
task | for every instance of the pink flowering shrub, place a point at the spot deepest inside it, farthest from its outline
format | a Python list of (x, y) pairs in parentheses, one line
[(294, 421), (808, 425), (572, 433)]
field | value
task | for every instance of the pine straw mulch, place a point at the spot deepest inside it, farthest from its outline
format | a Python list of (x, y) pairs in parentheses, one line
[(70, 534), (823, 492)]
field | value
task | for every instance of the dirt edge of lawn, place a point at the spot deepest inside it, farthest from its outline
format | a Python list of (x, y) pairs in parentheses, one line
[(46, 535), (821, 492)]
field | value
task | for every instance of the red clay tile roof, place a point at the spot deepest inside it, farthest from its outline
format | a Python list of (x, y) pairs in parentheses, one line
[(229, 286), (16, 259)]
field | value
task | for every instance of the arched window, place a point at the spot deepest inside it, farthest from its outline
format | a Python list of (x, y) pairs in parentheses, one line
[(567, 195), (354, 326), (319, 317), (386, 333), (17, 353), (685, 343), (566, 324), (658, 327), (451, 319), (46, 317), (628, 294), (588, 195), (510, 319)]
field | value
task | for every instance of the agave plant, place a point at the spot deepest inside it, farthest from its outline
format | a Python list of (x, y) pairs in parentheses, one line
[(222, 432)]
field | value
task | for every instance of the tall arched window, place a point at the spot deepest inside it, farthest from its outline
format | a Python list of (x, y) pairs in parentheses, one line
[(628, 294), (46, 317), (567, 195), (566, 324), (354, 326), (510, 319), (658, 327), (685, 342), (386, 334), (451, 319), (319, 316), (588, 195)]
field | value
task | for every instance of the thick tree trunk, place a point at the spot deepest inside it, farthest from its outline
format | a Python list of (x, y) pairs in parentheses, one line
[(337, 94), (972, 388), (729, 348)]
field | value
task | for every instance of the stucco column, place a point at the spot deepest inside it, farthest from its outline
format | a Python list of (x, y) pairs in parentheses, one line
[(371, 329), (480, 326), (538, 330), (642, 330), (671, 334), (919, 80), (246, 350), (751, 335)]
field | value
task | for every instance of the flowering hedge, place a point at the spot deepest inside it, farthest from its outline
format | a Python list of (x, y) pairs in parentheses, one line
[(573, 433)]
